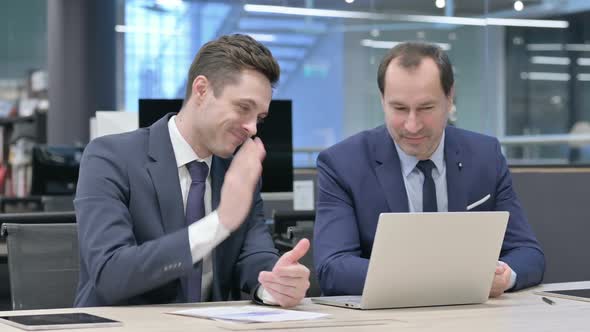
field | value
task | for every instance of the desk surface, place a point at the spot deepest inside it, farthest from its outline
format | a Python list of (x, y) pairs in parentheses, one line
[(520, 312)]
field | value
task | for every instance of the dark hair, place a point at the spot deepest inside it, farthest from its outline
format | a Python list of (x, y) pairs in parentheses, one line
[(411, 54), (223, 59)]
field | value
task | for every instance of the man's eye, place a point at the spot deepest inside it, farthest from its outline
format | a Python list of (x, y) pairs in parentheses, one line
[(244, 108)]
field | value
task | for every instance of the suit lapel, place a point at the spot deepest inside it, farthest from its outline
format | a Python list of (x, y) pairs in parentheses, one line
[(388, 170), (164, 174), (457, 166)]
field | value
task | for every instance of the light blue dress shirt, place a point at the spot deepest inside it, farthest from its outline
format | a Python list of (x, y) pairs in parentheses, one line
[(414, 179)]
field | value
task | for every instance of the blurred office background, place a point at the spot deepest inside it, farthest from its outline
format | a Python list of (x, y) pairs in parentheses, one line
[(522, 67), (522, 74)]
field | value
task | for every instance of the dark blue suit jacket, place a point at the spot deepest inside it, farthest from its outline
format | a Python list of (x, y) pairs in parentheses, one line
[(134, 244), (361, 177)]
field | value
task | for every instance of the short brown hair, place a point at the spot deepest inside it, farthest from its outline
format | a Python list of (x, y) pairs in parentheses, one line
[(411, 54), (223, 59)]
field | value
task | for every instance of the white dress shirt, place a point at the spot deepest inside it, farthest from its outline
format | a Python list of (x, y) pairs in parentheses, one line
[(206, 234)]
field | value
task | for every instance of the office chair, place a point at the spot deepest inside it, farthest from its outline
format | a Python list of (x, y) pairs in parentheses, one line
[(285, 219), (58, 203), (63, 217), (43, 264)]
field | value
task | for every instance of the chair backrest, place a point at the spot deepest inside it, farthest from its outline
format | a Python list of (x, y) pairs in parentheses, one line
[(43, 264), (289, 228), (60, 203), (304, 229), (63, 217)]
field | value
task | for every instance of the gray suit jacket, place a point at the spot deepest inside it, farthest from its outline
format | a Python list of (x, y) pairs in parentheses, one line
[(134, 245)]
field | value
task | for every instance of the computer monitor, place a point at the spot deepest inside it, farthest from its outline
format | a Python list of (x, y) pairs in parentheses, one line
[(276, 132), (151, 110), (55, 169)]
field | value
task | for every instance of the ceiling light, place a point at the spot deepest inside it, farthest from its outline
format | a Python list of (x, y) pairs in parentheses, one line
[(145, 30), (314, 12), (170, 4), (543, 76), (440, 3), (550, 60), (389, 44), (518, 5), (349, 1), (544, 47), (559, 47), (514, 22), (262, 37), (577, 47)]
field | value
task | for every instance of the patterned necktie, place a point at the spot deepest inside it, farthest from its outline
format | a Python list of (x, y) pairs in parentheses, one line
[(428, 188), (195, 210)]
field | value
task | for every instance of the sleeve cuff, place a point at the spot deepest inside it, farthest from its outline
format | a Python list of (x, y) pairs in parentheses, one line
[(512, 279), (205, 234), (513, 276), (261, 296)]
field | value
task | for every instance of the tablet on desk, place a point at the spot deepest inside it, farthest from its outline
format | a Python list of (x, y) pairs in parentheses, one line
[(571, 294), (58, 321)]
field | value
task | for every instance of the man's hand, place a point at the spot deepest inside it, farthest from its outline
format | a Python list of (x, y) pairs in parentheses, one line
[(239, 184), (501, 279), (289, 280)]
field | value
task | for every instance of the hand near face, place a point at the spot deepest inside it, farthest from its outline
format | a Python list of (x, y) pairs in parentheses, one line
[(288, 281), (239, 183), (501, 279)]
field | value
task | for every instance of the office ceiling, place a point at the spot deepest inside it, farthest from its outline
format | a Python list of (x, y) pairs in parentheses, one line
[(423, 7), (294, 37)]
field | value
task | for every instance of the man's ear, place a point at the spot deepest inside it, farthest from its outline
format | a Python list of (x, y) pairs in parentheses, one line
[(451, 95), (200, 87)]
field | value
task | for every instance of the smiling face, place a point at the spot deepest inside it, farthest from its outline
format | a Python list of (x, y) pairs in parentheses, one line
[(416, 107), (219, 124)]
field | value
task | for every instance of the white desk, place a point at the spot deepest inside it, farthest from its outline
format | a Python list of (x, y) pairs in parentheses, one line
[(519, 312)]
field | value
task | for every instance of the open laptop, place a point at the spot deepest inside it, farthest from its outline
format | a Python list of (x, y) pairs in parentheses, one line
[(428, 259)]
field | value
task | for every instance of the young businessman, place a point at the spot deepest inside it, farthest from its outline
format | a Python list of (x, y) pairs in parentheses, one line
[(414, 163), (165, 214)]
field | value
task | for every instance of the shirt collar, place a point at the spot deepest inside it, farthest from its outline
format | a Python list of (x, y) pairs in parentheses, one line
[(183, 152), (409, 163)]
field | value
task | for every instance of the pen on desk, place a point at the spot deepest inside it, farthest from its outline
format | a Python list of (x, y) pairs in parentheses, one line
[(548, 301)]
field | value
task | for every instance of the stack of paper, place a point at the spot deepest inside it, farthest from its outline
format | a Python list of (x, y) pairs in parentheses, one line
[(250, 314)]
